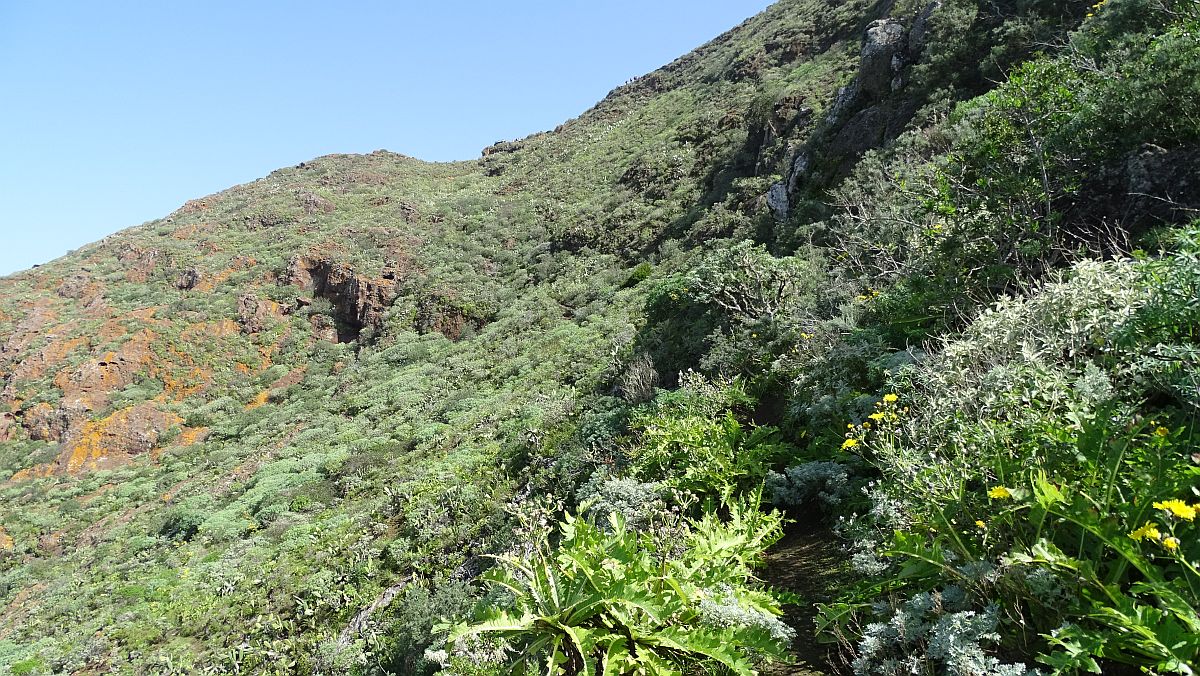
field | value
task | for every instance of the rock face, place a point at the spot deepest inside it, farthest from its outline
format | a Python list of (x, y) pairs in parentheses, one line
[(444, 313), (358, 301), (87, 388), (140, 263), (883, 51), (108, 442), (865, 113), (188, 279), (1163, 183), (777, 200), (8, 426), (115, 440)]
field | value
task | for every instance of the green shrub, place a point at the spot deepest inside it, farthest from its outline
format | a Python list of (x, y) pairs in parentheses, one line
[(620, 601)]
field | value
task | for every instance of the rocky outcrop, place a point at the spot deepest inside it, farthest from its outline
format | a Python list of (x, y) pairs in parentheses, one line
[(325, 327), (8, 426), (29, 328), (188, 279), (139, 263), (1147, 187), (256, 314), (357, 301), (864, 114), (502, 147), (44, 422), (446, 314), (96, 444), (777, 200), (79, 286), (884, 52), (115, 440), (86, 389), (314, 203)]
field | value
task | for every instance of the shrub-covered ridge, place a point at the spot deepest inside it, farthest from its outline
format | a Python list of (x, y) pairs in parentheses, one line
[(924, 271)]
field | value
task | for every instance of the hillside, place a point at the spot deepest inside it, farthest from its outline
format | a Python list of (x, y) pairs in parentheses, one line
[(925, 272)]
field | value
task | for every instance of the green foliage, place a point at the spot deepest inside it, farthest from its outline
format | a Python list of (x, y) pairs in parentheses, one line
[(617, 601), (544, 314), (1061, 482), (710, 458)]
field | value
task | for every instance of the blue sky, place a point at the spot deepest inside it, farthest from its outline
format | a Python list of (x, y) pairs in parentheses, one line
[(115, 113)]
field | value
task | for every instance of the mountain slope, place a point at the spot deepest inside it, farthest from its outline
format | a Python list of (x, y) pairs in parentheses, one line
[(228, 431)]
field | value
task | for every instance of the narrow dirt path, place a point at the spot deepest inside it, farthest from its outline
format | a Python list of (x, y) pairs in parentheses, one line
[(808, 563)]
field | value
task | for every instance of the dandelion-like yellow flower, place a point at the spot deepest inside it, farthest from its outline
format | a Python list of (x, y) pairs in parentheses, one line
[(849, 443), (1178, 508), (1147, 532), (876, 416), (1000, 493), (980, 525), (1162, 432), (1170, 544), (891, 398)]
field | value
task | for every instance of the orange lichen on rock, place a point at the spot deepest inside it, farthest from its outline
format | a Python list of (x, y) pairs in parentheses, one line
[(217, 329), (36, 472), (267, 352), (187, 437), (115, 440), (52, 354), (259, 400), (6, 541), (194, 381), (192, 435)]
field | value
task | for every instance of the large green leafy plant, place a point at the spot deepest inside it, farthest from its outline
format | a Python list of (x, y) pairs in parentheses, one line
[(615, 601)]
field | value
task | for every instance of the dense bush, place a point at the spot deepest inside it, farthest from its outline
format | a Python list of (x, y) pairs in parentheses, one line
[(1034, 448)]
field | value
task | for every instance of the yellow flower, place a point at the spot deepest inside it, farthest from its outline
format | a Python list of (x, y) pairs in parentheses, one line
[(876, 416), (980, 525), (1171, 544), (849, 443), (1146, 532), (890, 398), (849, 426), (1178, 508), (1000, 493), (1162, 432)]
